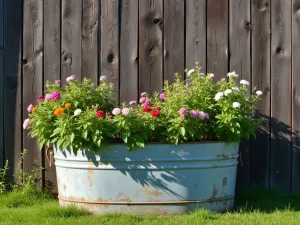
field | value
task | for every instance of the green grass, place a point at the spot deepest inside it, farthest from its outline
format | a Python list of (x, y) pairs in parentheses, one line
[(256, 207)]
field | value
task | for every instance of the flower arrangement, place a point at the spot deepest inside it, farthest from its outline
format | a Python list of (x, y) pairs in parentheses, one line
[(196, 109)]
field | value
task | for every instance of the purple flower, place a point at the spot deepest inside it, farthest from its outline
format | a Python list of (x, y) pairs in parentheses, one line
[(70, 78), (223, 79), (181, 118), (26, 124), (193, 113), (182, 111), (58, 81), (125, 111), (162, 96), (142, 99), (184, 91), (201, 115), (147, 102), (55, 95), (206, 116)]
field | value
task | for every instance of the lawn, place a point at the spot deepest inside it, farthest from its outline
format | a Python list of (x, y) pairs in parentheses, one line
[(256, 207)]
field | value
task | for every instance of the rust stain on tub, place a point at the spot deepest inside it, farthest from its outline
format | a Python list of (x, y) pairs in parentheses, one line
[(154, 193), (224, 181), (91, 182), (65, 187)]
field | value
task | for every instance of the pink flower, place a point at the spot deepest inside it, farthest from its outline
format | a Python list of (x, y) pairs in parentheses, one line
[(41, 97), (201, 115), (162, 96), (125, 111), (181, 118), (147, 102), (55, 95), (176, 94), (142, 99), (47, 96), (184, 91), (143, 93), (132, 102), (223, 79), (206, 116), (116, 111), (26, 124), (58, 81), (182, 111), (193, 113), (29, 108), (70, 78), (139, 114)]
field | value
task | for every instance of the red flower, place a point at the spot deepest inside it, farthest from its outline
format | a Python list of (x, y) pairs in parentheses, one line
[(147, 108), (100, 113), (41, 97), (158, 108), (155, 113)]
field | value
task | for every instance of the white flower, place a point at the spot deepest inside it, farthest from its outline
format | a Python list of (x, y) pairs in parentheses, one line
[(143, 93), (190, 71), (227, 92), (132, 102), (211, 75), (116, 111), (218, 96), (26, 124), (232, 74), (201, 74), (102, 78), (236, 105), (235, 89), (244, 82), (259, 93), (70, 78), (77, 112)]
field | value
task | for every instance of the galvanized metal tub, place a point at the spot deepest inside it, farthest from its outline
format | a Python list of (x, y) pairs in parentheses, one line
[(159, 179)]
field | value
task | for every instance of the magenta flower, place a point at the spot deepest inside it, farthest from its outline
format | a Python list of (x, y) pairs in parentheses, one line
[(143, 93), (55, 95), (193, 113), (142, 99), (182, 111), (41, 97), (181, 118), (58, 81), (29, 108), (184, 91), (162, 96), (125, 111), (206, 116), (47, 96), (223, 79), (26, 123), (70, 78), (201, 115), (147, 102)]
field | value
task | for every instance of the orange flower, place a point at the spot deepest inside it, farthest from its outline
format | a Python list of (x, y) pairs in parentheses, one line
[(33, 109), (68, 105), (59, 111)]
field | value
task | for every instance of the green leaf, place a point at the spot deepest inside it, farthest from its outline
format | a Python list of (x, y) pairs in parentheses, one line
[(182, 131), (85, 134), (60, 141), (139, 141), (124, 136), (72, 136)]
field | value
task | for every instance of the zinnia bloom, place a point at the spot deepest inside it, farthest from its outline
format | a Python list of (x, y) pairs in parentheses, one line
[(193, 113), (34, 109), (201, 115), (58, 81), (68, 105), (181, 118), (158, 108), (100, 113), (259, 93), (29, 108), (236, 105), (155, 113), (223, 79), (244, 82), (232, 74), (211, 75), (26, 123), (235, 89), (227, 92), (70, 78), (206, 116), (143, 93), (132, 102), (59, 111), (102, 78), (184, 91), (47, 96), (125, 111), (142, 99), (147, 102), (147, 108), (162, 96), (41, 97), (218, 96), (190, 72), (116, 111), (55, 95), (77, 112), (182, 111)]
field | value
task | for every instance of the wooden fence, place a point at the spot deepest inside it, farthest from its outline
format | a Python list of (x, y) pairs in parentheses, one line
[(138, 44)]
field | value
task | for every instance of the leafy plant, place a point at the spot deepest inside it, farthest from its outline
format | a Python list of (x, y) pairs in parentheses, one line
[(3, 173)]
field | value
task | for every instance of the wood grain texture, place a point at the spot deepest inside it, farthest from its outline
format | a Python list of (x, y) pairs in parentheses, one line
[(240, 62), (90, 26), (52, 23), (261, 65), (217, 38), (174, 54), (71, 39), (150, 45), (129, 50), (32, 71), (110, 40), (296, 96), (196, 33), (1, 85), (281, 95)]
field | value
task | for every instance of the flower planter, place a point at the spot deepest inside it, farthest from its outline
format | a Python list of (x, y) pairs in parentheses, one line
[(159, 179)]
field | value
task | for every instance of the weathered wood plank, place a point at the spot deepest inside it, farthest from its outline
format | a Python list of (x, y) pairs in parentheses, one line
[(217, 38), (32, 71), (12, 83), (196, 33), (1, 85), (129, 51), (71, 39), (240, 62), (174, 56), (90, 23), (281, 95), (52, 48), (261, 62), (150, 45), (296, 97), (110, 40)]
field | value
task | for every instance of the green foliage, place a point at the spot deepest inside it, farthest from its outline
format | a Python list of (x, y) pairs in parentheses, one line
[(3, 183)]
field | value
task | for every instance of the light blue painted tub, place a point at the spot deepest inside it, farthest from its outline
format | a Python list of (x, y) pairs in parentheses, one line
[(160, 179)]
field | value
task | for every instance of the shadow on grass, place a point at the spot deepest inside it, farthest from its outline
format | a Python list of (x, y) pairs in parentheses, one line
[(266, 201)]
